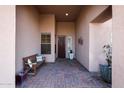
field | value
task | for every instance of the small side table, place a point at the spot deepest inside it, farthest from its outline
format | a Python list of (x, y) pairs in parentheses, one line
[(20, 77)]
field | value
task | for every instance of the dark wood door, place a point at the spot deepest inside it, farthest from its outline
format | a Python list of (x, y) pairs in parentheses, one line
[(61, 47)]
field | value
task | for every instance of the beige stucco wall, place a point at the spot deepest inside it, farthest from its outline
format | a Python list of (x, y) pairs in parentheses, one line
[(47, 25), (65, 29), (7, 46), (100, 35), (27, 33), (87, 14), (118, 43)]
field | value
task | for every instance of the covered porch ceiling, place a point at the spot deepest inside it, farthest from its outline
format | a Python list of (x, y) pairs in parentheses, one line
[(62, 12)]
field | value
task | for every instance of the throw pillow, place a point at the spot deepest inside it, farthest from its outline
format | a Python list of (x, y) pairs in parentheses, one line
[(29, 63), (39, 58)]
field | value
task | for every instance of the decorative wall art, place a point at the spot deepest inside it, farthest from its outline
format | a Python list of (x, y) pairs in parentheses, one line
[(80, 41)]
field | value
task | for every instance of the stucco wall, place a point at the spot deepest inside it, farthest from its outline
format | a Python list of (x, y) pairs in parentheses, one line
[(118, 43), (47, 25), (100, 34), (7, 46), (88, 13), (65, 29), (27, 33)]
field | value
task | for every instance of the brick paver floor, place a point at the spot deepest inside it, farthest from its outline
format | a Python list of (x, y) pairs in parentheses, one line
[(64, 74)]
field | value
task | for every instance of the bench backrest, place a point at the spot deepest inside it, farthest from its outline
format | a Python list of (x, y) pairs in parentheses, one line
[(32, 58), (25, 60)]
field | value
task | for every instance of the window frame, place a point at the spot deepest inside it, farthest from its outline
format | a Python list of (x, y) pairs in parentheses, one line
[(43, 43)]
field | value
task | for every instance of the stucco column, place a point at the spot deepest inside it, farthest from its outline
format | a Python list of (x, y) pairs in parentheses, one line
[(118, 47), (7, 46)]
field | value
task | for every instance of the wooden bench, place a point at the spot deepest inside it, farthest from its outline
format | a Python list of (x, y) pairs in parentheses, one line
[(35, 64)]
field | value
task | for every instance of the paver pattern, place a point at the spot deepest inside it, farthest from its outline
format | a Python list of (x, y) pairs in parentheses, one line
[(64, 73)]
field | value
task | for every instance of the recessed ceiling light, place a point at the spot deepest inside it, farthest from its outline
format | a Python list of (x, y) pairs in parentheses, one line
[(66, 14)]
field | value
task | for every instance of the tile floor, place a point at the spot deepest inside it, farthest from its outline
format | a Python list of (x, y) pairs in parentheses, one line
[(64, 74)]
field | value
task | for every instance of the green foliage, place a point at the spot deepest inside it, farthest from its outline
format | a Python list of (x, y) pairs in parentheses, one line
[(108, 52)]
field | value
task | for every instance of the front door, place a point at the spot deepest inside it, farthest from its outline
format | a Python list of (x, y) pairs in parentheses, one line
[(61, 47)]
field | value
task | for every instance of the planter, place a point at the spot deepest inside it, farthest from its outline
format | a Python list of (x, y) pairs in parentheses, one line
[(106, 72), (71, 55)]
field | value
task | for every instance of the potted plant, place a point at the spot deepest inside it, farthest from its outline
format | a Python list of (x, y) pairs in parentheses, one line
[(108, 53), (105, 70)]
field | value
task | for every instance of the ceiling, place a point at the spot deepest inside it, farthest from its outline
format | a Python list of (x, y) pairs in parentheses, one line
[(104, 16), (60, 11)]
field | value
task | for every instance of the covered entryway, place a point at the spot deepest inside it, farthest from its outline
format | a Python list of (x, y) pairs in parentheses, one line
[(53, 32)]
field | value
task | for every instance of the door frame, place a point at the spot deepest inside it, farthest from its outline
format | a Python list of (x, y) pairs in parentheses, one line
[(57, 38)]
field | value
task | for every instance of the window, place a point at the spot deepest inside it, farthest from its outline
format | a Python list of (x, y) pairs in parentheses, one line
[(45, 43)]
